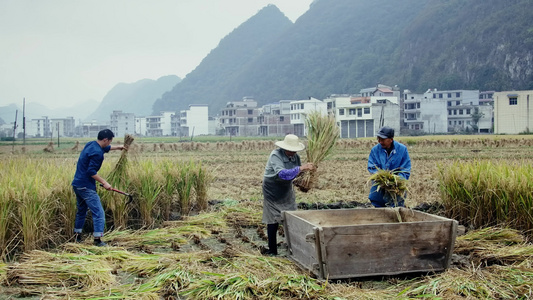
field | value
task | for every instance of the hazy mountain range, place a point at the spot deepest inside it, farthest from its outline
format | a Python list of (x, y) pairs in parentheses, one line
[(36, 111), (137, 98)]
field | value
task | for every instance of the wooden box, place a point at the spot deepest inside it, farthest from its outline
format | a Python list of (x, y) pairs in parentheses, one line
[(347, 243)]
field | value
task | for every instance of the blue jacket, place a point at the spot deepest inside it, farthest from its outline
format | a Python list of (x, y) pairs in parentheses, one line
[(397, 160), (89, 163)]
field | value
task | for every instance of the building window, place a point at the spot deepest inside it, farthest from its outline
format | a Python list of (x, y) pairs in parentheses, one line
[(449, 103), (449, 113), (281, 118), (513, 101), (250, 120), (440, 95), (468, 111), (457, 95), (366, 110), (449, 95), (250, 111), (351, 112), (341, 112), (457, 102), (359, 112), (460, 111)]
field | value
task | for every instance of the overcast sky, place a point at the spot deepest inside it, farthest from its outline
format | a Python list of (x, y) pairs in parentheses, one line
[(62, 52)]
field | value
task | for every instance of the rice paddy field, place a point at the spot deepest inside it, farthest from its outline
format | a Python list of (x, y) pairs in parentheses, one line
[(193, 229)]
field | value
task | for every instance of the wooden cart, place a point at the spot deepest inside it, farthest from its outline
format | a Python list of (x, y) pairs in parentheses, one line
[(347, 243)]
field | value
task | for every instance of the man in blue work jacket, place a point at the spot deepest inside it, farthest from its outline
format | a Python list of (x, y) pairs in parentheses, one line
[(388, 155), (84, 185)]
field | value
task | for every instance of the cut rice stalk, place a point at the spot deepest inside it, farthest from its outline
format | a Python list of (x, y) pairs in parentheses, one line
[(119, 171), (322, 135)]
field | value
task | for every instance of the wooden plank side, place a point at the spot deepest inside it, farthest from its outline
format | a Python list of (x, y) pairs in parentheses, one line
[(348, 217), (300, 250), (354, 251)]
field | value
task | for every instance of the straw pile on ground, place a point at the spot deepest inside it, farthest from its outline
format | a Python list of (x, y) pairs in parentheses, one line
[(49, 148), (322, 135)]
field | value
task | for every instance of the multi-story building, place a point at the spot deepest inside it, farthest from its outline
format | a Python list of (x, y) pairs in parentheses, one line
[(63, 126), (159, 125), (301, 108), (194, 121), (239, 118), (40, 127), (274, 119), (122, 123), (140, 126), (91, 129), (461, 105), (447, 111), (486, 109), (362, 116), (428, 115), (513, 112)]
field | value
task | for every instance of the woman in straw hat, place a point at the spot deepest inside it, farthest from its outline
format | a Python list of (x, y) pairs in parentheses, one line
[(278, 195)]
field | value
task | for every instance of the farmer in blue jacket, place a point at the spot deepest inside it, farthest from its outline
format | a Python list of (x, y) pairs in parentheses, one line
[(84, 184), (388, 155)]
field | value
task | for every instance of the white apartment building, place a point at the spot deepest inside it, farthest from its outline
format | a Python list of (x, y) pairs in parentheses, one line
[(39, 127), (447, 111), (428, 115), (513, 112), (194, 121), (122, 123), (63, 126), (299, 109), (363, 116), (140, 126), (159, 125), (91, 129)]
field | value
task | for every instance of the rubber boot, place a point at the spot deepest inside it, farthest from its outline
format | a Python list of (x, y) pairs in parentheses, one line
[(98, 242), (272, 233)]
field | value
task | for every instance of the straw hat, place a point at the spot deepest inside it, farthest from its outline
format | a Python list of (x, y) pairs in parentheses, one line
[(291, 143)]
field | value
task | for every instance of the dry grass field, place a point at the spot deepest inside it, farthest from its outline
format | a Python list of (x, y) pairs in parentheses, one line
[(213, 254)]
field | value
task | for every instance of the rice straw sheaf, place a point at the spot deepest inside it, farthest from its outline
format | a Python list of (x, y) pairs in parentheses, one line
[(322, 135), (119, 171), (390, 183)]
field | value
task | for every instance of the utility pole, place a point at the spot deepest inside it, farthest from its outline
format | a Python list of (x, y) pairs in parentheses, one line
[(15, 129), (57, 125), (24, 120)]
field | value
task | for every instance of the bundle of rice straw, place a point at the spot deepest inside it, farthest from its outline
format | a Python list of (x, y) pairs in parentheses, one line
[(322, 134), (119, 171), (76, 146), (49, 148), (388, 181)]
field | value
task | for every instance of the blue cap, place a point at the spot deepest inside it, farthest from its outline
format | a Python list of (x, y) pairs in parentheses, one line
[(386, 133)]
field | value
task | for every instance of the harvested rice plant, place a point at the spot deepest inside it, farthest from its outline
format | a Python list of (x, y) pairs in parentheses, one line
[(193, 228)]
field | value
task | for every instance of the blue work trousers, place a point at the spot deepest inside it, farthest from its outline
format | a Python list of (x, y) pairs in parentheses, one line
[(89, 199)]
